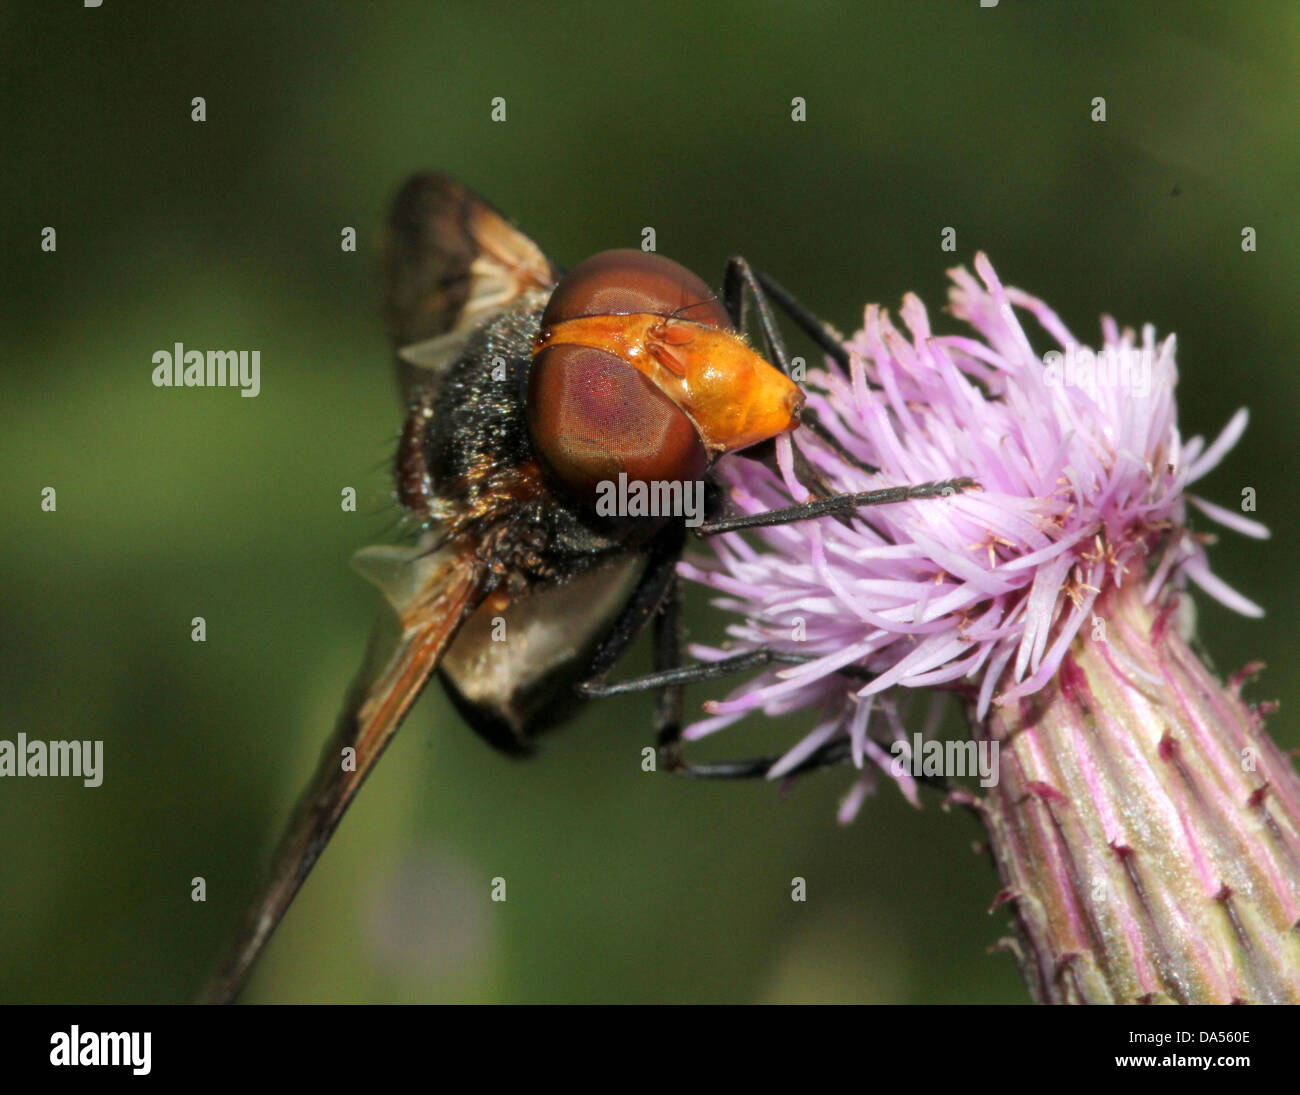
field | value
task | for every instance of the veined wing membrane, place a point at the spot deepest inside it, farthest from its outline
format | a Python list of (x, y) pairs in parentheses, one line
[(451, 263), (432, 593)]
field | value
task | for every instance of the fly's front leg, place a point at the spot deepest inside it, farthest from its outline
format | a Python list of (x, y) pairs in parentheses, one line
[(739, 278), (815, 328), (835, 504)]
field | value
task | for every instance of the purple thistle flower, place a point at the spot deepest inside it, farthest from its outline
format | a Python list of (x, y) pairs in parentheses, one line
[(1084, 476), (1145, 828)]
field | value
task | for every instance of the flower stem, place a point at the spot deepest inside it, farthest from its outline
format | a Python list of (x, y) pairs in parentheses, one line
[(1145, 827)]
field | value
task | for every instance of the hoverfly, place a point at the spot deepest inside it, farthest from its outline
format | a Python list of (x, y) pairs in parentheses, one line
[(528, 388)]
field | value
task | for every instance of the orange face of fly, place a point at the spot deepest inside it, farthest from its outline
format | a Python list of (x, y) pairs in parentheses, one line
[(637, 369)]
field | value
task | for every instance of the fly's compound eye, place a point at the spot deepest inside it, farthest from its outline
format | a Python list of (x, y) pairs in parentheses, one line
[(592, 415), (630, 282)]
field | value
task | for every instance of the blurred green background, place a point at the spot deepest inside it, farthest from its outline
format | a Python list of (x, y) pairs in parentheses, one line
[(173, 504)]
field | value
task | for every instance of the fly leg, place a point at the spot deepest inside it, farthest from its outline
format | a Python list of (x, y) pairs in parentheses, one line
[(741, 276), (742, 281), (670, 679), (835, 504)]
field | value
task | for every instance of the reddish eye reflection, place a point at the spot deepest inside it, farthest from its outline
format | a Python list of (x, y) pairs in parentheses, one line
[(592, 415), (628, 282)]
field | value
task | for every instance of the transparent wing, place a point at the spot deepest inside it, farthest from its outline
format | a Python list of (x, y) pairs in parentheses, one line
[(432, 594), (451, 263)]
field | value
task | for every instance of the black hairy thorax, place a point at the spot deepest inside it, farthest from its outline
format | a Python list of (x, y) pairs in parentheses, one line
[(484, 472)]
